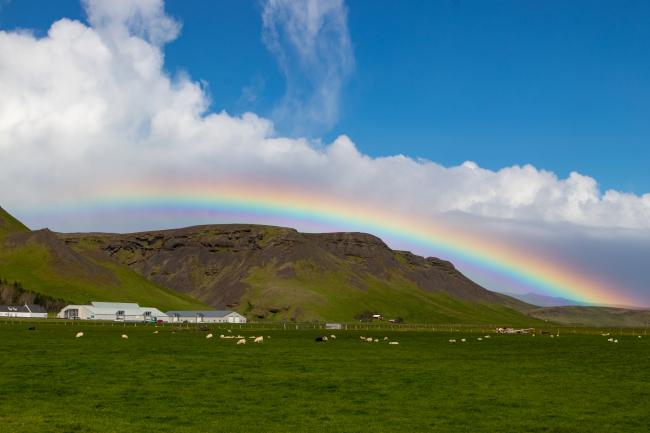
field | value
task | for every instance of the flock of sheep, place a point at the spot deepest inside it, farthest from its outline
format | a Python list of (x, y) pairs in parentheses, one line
[(240, 339)]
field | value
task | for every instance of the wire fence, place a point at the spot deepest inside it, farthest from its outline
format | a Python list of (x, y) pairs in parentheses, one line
[(354, 326)]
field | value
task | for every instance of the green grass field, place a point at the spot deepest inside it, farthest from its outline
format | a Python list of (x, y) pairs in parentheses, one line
[(182, 382)]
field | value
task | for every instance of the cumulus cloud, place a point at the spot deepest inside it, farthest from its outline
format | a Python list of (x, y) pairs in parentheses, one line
[(311, 43), (89, 104)]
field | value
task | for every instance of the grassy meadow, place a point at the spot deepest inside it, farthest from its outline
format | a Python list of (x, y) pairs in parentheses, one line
[(182, 382)]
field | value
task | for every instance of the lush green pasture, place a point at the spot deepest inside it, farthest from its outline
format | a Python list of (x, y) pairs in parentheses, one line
[(181, 382)]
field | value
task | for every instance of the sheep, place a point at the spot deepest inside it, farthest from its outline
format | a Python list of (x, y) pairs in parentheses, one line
[(252, 337), (452, 341), (222, 336), (376, 340), (155, 332), (615, 341), (324, 338), (385, 338), (552, 335), (208, 336), (369, 339), (125, 337), (259, 339), (333, 337), (79, 335), (639, 336), (241, 341), (611, 340), (487, 336), (462, 340), (319, 339), (230, 330), (393, 342), (362, 337), (479, 339)]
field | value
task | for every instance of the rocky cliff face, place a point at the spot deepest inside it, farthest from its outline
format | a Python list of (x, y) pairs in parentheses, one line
[(215, 263)]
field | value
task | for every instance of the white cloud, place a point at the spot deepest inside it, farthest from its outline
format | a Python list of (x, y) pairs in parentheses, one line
[(90, 105), (311, 43)]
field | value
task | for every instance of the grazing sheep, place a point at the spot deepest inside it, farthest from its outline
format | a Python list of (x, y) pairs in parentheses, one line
[(79, 334), (611, 340), (385, 338), (615, 341), (230, 330), (376, 340), (319, 339), (333, 337), (393, 342), (487, 336), (155, 332), (452, 341), (552, 335), (222, 336), (241, 341), (479, 339), (324, 338), (462, 340), (208, 336), (125, 337), (362, 337), (259, 339), (369, 339)]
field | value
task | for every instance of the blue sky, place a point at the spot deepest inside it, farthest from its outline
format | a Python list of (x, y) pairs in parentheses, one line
[(531, 92), (562, 85)]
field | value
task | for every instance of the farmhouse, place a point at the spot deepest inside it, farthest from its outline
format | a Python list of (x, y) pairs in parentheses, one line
[(115, 311), (27, 310), (205, 317)]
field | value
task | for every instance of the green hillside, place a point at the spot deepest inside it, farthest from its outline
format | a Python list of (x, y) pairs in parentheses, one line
[(9, 224), (312, 293), (42, 263)]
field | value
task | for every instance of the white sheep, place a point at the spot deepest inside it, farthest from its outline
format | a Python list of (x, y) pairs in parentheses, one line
[(479, 339), (611, 340), (230, 330), (615, 341), (376, 340), (385, 338), (462, 340), (393, 342), (552, 335), (487, 336), (452, 341), (362, 337), (333, 337), (325, 338), (241, 341), (208, 336), (125, 337), (222, 336), (259, 339), (155, 332), (369, 339), (79, 335)]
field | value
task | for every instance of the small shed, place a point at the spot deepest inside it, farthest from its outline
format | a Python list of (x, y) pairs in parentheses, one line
[(27, 310), (206, 316)]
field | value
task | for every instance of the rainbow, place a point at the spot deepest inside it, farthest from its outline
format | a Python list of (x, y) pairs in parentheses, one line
[(283, 203)]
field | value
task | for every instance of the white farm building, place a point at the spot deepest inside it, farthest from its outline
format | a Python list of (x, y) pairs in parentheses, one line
[(115, 311), (27, 310), (205, 317)]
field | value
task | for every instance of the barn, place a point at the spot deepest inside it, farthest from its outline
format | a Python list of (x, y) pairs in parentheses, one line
[(205, 317), (114, 311), (27, 310)]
